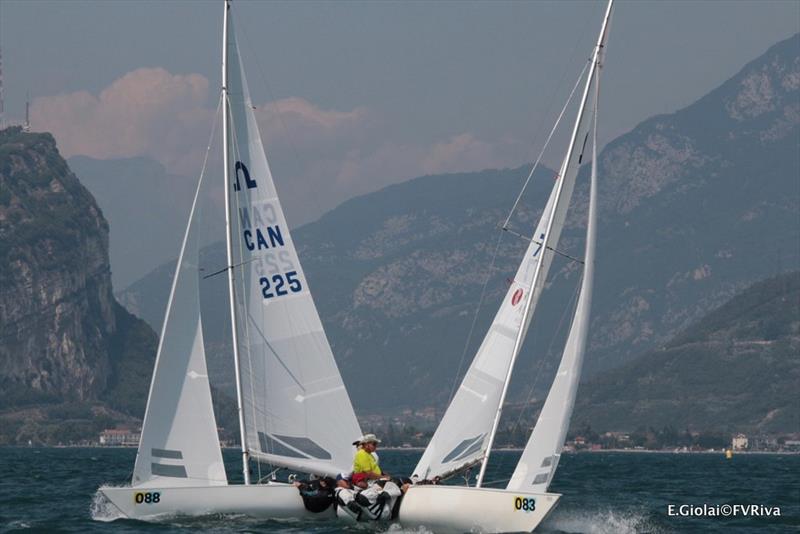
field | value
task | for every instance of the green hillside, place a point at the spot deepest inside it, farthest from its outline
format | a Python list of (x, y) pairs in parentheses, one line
[(736, 369)]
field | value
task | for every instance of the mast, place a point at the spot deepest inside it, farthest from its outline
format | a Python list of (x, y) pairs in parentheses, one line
[(545, 241), (229, 246)]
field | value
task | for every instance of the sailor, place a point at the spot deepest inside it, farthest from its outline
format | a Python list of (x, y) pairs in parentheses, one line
[(365, 463)]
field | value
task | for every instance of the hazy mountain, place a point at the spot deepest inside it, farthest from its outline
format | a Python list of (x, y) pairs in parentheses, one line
[(146, 209), (695, 205), (736, 369)]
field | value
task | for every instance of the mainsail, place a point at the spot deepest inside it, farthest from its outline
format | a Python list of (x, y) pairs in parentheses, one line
[(541, 455), (297, 413), (539, 460), (465, 434), (179, 444)]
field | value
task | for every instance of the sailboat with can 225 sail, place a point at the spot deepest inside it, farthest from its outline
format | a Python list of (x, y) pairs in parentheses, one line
[(294, 411), (466, 433)]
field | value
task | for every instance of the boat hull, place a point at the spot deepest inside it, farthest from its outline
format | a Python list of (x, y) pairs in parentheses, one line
[(274, 501), (463, 509)]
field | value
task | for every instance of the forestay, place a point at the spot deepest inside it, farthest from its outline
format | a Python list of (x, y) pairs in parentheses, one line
[(296, 409), (179, 444)]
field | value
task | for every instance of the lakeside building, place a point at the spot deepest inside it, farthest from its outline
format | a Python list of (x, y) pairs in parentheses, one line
[(119, 437), (792, 445), (763, 443), (739, 442)]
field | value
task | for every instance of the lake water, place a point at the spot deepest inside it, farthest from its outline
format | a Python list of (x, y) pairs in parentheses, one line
[(54, 490)]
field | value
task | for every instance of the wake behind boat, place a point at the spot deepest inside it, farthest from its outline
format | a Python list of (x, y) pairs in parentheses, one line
[(294, 411)]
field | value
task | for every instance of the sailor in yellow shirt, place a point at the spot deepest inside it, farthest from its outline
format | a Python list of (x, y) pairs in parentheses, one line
[(365, 466)]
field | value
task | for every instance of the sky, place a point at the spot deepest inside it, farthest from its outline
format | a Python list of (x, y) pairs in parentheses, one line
[(353, 96)]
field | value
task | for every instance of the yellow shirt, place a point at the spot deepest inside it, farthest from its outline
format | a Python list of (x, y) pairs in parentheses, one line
[(364, 462)]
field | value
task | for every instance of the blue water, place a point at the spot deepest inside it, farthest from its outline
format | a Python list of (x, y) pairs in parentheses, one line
[(53, 490)]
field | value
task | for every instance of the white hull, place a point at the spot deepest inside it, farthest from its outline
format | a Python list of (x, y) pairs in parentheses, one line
[(274, 501), (462, 509)]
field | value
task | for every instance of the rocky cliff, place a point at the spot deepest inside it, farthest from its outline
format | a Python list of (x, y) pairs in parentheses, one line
[(698, 204), (63, 337)]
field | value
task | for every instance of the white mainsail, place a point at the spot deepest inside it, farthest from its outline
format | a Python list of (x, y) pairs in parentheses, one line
[(297, 413), (179, 445), (539, 460), (462, 436), (465, 434)]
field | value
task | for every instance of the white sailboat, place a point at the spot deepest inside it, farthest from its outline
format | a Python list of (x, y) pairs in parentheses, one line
[(466, 433), (294, 411)]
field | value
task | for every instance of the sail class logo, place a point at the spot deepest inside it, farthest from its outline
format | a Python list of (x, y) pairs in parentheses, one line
[(516, 297)]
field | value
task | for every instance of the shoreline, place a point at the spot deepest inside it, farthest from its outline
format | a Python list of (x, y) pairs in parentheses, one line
[(420, 449)]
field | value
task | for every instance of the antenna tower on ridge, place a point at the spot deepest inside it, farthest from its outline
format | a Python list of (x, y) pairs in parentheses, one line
[(2, 117), (27, 126)]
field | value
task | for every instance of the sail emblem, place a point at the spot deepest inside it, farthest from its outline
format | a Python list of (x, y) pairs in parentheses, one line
[(516, 297)]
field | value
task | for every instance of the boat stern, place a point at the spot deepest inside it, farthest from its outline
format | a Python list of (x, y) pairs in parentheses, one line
[(464, 509)]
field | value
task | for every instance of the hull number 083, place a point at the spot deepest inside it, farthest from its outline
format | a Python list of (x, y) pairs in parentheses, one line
[(525, 504)]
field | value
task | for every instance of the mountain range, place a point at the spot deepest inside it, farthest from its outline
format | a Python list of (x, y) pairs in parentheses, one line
[(736, 369), (146, 208), (694, 206)]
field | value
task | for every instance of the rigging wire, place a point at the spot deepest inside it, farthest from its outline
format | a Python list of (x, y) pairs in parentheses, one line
[(475, 317), (493, 261), (546, 143), (237, 152), (193, 217), (313, 196), (503, 229), (576, 294), (569, 310), (551, 101)]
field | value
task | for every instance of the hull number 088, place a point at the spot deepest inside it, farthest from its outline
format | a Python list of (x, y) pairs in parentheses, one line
[(150, 497)]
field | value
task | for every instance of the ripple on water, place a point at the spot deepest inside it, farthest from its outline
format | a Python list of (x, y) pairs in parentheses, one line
[(607, 521), (56, 490)]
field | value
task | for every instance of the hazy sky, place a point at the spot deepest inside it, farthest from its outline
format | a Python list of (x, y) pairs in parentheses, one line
[(355, 95)]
